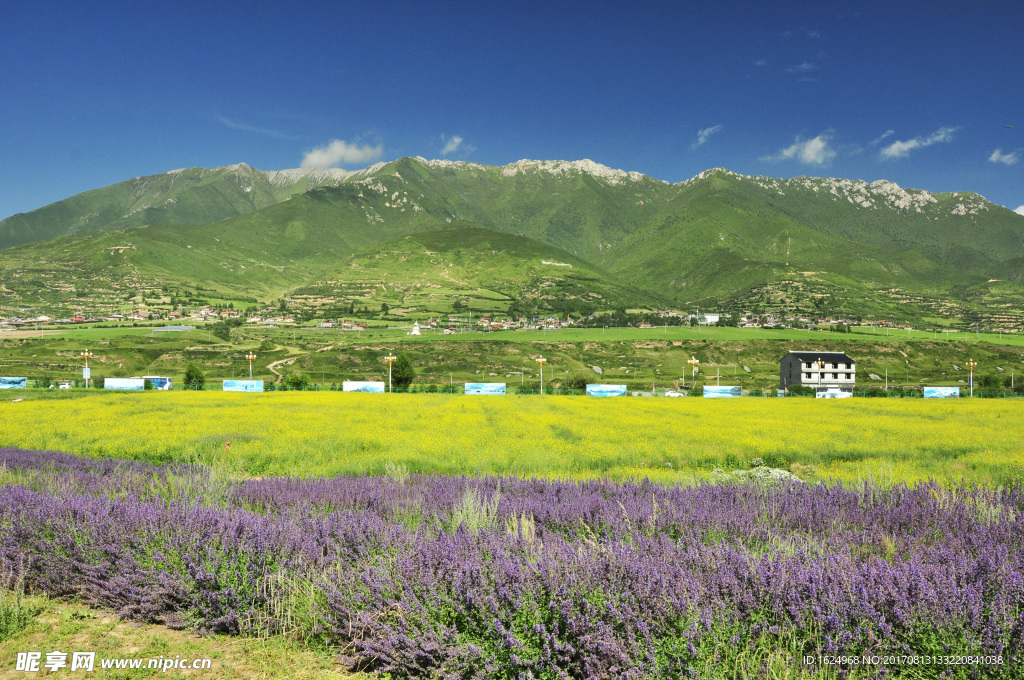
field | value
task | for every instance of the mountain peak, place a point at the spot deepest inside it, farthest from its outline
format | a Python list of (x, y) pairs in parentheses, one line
[(714, 172), (587, 166), (445, 164), (313, 175)]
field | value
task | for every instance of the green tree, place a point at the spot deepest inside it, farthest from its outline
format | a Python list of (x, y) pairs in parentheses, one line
[(402, 372), (730, 321), (297, 381), (222, 329), (990, 382), (577, 382), (195, 379)]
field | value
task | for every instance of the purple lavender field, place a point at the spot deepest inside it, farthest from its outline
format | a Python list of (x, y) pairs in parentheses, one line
[(459, 577)]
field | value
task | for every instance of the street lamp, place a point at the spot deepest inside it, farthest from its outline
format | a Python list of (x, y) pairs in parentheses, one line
[(821, 365), (251, 357), (541, 361), (694, 363), (85, 373), (971, 363), (390, 359)]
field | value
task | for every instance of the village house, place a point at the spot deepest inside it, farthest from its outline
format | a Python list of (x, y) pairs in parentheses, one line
[(817, 369)]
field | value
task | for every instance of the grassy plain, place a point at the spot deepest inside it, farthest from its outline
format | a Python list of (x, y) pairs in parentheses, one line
[(668, 440), (631, 355)]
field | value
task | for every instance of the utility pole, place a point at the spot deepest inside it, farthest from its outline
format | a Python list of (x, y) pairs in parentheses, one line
[(390, 358)]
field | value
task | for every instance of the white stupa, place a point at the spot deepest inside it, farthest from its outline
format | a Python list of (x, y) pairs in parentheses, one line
[(415, 328)]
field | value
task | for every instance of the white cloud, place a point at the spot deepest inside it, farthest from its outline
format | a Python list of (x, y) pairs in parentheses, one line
[(761, 62), (901, 149), (340, 152), (814, 151), (885, 134), (702, 135), (1020, 210), (451, 145), (805, 67), (1011, 158), (252, 128)]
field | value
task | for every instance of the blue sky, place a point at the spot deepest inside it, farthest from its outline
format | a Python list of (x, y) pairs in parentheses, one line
[(919, 93)]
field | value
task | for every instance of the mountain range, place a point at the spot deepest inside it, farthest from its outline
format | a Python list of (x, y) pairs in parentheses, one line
[(481, 235)]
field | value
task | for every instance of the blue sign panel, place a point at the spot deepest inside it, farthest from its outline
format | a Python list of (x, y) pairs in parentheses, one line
[(485, 388), (362, 386), (159, 382), (13, 383), (243, 385), (721, 391), (130, 384), (941, 392), (606, 390)]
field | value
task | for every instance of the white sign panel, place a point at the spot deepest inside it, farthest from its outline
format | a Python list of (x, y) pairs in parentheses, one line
[(362, 386), (130, 384), (606, 390), (941, 392), (243, 385), (485, 388), (834, 393)]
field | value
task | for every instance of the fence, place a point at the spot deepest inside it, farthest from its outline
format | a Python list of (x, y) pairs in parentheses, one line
[(877, 393)]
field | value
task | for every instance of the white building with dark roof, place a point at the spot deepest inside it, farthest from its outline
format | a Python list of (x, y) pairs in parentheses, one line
[(813, 369)]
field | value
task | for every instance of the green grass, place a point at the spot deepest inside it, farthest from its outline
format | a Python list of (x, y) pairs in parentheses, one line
[(73, 627), (17, 610)]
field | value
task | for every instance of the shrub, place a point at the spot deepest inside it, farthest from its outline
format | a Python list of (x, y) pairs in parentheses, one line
[(195, 379), (576, 382), (297, 381), (402, 372)]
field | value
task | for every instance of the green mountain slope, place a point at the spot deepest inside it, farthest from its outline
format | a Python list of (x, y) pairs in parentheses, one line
[(465, 268), (800, 245), (189, 196)]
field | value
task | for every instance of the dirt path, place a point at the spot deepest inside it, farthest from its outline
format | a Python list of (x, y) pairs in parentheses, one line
[(281, 362)]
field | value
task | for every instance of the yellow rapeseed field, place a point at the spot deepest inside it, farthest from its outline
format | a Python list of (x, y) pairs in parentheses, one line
[(671, 440)]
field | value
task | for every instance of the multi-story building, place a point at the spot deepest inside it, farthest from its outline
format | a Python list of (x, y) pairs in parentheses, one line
[(814, 369)]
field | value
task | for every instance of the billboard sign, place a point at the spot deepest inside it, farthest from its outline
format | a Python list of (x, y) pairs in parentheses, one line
[(834, 392), (243, 385), (485, 388), (362, 386), (941, 392), (13, 383), (721, 391), (130, 384), (606, 390)]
